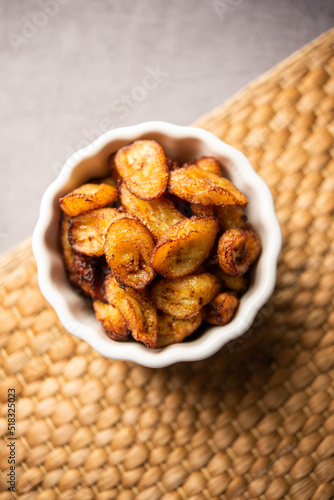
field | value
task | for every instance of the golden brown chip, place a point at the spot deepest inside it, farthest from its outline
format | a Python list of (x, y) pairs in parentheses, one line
[(91, 273), (112, 320), (67, 250), (128, 249), (172, 330), (184, 297), (86, 198), (143, 167), (195, 185), (222, 308), (230, 216), (208, 164), (87, 231), (185, 246), (157, 215), (237, 250), (138, 310)]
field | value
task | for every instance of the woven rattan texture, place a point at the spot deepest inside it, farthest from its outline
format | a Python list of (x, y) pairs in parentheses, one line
[(254, 421)]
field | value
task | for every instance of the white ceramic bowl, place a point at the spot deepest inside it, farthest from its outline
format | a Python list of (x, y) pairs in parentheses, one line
[(183, 144)]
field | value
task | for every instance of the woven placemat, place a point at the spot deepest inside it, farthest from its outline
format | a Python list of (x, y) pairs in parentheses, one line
[(256, 420)]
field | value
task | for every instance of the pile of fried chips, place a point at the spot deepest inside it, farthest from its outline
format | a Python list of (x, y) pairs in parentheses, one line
[(157, 246)]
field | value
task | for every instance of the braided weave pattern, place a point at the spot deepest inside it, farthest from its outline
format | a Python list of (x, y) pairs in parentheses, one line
[(256, 420)]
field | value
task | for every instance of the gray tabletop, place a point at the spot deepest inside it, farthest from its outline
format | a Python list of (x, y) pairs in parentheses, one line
[(71, 69)]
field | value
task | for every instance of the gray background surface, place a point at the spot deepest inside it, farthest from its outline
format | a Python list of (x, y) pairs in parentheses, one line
[(71, 69)]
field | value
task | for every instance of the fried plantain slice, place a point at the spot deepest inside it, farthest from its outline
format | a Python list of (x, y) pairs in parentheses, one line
[(238, 249), (195, 185), (87, 231), (87, 197), (184, 297), (184, 246), (91, 273), (230, 216), (222, 309), (173, 331), (208, 164), (143, 167), (157, 215), (112, 320), (67, 250), (138, 310), (128, 249)]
